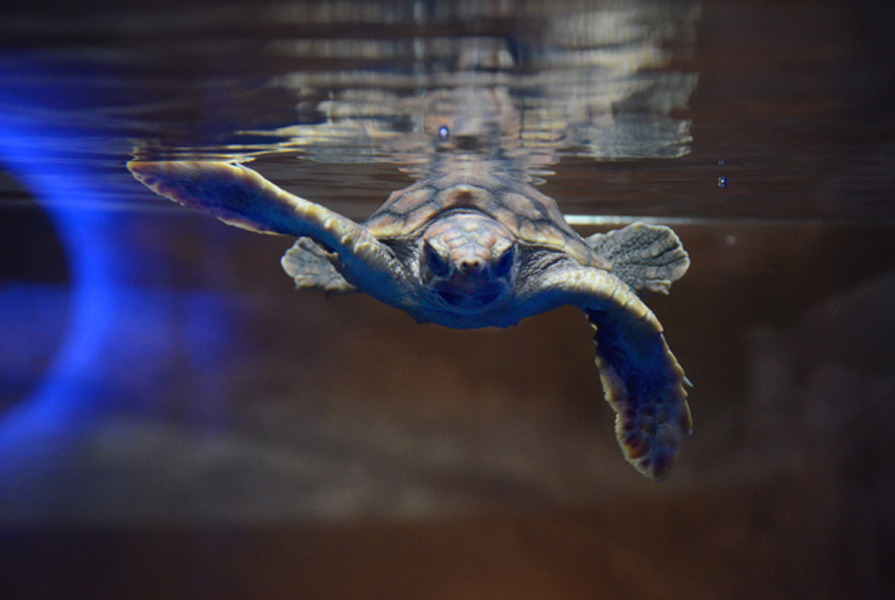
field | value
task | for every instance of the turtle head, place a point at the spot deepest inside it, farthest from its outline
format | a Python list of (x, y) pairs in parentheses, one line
[(468, 260)]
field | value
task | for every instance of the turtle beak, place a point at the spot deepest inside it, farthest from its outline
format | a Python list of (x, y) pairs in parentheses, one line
[(471, 285), (472, 300)]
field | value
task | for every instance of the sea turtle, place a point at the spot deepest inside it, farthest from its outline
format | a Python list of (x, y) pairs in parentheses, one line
[(473, 248)]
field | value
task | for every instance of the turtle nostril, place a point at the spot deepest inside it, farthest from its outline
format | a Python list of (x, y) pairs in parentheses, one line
[(470, 266)]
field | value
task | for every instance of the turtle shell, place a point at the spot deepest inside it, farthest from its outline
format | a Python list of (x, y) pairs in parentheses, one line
[(529, 215)]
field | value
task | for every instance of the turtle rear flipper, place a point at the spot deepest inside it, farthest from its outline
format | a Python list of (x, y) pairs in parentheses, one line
[(310, 266), (641, 378), (649, 258)]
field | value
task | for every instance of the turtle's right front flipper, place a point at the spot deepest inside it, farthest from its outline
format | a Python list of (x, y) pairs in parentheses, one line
[(239, 196)]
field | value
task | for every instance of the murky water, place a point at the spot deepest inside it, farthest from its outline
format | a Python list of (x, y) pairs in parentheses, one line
[(157, 369)]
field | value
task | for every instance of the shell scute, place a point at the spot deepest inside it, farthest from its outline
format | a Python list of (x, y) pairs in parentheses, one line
[(520, 205), (411, 201)]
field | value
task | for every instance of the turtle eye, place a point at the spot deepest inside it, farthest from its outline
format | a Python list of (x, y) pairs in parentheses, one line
[(437, 265), (505, 263)]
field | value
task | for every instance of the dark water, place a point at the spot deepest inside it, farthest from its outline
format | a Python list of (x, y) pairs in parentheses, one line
[(175, 420)]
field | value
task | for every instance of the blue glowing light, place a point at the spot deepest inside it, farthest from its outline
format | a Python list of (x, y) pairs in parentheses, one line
[(120, 336)]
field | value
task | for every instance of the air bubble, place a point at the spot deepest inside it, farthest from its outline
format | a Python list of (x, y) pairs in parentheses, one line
[(443, 132)]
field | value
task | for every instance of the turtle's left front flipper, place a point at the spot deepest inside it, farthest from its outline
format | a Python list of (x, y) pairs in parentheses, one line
[(641, 378), (239, 196)]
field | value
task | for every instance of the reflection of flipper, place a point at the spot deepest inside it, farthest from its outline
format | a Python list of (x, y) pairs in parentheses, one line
[(310, 266), (641, 378), (649, 258)]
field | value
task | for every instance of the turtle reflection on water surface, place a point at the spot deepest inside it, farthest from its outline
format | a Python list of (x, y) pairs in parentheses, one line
[(472, 248)]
